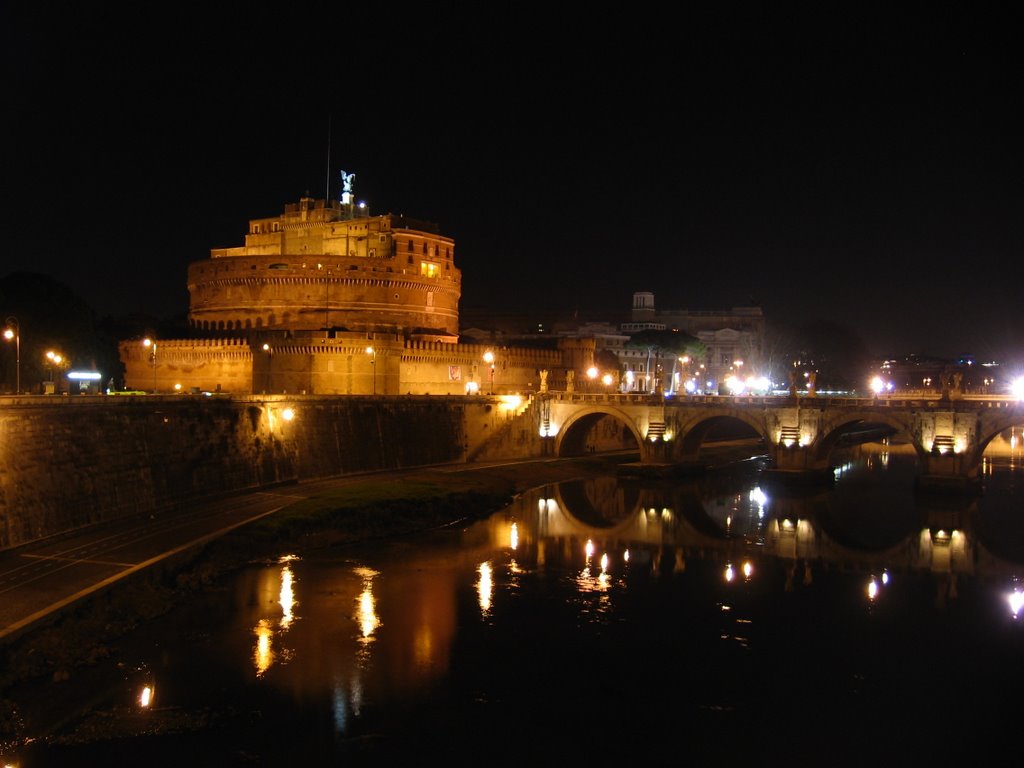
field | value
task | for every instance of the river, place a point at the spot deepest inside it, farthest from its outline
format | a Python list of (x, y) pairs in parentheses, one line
[(712, 621)]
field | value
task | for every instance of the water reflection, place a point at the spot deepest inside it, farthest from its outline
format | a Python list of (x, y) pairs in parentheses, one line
[(366, 615), (720, 594), (485, 587), (264, 653), (602, 534)]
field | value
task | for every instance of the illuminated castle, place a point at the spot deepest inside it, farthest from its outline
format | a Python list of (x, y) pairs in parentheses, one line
[(330, 264), (327, 299)]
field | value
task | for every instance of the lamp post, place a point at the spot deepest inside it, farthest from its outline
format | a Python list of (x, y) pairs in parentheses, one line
[(270, 361), (147, 342), (55, 360), (373, 366), (489, 359), (13, 331)]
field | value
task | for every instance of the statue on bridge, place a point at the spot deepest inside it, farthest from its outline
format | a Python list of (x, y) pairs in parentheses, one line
[(570, 383), (544, 380), (952, 385)]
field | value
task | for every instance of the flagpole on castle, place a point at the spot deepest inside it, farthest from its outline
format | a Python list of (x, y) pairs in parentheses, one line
[(327, 194)]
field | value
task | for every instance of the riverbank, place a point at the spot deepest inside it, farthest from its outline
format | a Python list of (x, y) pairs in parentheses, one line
[(42, 671)]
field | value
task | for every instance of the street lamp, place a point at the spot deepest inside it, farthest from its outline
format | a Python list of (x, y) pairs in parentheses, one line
[(13, 331), (373, 365), (489, 359), (147, 342), (270, 361), (55, 361)]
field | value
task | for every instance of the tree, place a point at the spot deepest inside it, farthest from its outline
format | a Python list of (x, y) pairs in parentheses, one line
[(673, 344), (839, 355)]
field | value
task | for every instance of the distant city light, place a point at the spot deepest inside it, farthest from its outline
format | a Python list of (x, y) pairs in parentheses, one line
[(1016, 601)]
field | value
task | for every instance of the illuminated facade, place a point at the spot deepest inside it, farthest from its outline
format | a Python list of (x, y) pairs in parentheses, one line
[(329, 264), (732, 342), (327, 299)]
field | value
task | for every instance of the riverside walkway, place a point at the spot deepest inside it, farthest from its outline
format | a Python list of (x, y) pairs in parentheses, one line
[(40, 579)]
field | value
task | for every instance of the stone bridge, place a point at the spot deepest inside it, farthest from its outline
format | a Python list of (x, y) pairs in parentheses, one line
[(949, 433)]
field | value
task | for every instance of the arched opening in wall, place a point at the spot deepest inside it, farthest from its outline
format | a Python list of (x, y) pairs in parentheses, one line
[(848, 439), (996, 520), (248, 325), (1006, 447), (723, 438), (259, 322), (272, 320), (597, 433), (220, 325)]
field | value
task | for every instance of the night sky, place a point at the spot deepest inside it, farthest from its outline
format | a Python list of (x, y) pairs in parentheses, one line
[(860, 168)]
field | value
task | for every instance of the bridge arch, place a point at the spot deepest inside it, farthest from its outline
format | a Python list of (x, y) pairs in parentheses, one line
[(833, 431), (735, 424), (989, 428), (575, 434)]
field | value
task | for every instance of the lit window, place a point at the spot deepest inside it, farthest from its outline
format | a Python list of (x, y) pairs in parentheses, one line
[(427, 269)]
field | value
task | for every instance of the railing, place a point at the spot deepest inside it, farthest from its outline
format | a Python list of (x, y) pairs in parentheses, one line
[(915, 400)]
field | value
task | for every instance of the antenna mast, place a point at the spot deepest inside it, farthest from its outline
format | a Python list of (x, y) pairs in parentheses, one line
[(327, 194)]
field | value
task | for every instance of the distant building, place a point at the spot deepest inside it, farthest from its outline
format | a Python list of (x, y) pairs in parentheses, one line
[(732, 344), (925, 374)]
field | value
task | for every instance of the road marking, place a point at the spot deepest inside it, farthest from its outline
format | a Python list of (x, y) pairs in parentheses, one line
[(29, 620), (78, 560)]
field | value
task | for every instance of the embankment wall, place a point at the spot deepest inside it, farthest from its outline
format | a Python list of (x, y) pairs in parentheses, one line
[(68, 462)]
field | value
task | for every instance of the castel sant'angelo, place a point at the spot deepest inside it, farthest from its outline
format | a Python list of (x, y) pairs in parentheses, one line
[(328, 299)]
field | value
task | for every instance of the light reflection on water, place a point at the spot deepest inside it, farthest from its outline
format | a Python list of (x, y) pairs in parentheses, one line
[(719, 605)]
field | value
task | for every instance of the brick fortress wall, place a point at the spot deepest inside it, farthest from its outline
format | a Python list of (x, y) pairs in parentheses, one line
[(70, 462)]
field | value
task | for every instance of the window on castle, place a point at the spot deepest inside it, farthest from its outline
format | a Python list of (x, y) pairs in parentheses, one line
[(428, 269), (409, 245), (424, 247)]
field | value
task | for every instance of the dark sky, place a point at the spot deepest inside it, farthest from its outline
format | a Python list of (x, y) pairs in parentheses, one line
[(863, 168)]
